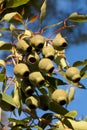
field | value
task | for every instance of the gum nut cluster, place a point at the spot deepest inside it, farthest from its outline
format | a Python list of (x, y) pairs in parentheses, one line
[(37, 62)]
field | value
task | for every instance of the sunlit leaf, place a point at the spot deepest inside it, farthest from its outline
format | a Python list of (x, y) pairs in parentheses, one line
[(72, 114), (10, 16), (16, 3), (8, 99), (43, 11), (2, 63), (75, 17), (37, 127), (33, 19), (5, 46), (71, 94), (18, 122)]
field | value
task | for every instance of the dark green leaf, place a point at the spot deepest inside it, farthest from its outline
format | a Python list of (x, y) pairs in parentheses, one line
[(5, 46), (16, 3), (55, 81), (45, 120), (68, 123), (83, 70), (55, 107), (80, 63), (75, 17), (37, 127), (2, 77)]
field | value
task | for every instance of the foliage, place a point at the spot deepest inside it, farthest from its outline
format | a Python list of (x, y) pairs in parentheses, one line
[(35, 80)]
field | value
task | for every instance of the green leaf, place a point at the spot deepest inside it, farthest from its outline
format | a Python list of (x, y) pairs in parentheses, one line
[(71, 114), (55, 107), (55, 81), (2, 63), (12, 16), (45, 120), (71, 94), (37, 127), (83, 70), (2, 77), (16, 3), (5, 46), (8, 99), (80, 63), (75, 17), (68, 123), (18, 122), (43, 11)]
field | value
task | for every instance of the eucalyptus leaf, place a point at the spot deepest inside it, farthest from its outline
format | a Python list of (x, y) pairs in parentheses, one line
[(55, 107), (43, 11), (5, 46), (72, 114), (2, 77), (2, 63), (18, 122), (80, 63), (8, 99), (16, 3), (12, 16), (75, 17)]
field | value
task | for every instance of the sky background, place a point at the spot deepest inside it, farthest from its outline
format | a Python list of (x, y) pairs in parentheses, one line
[(77, 44)]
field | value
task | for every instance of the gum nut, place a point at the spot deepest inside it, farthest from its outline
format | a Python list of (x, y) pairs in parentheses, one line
[(33, 58), (60, 96), (46, 65), (37, 41), (73, 74), (23, 46), (21, 70), (48, 52), (59, 43), (32, 102), (36, 78)]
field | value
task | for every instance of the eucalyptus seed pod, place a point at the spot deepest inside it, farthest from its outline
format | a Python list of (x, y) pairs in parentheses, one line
[(48, 52), (38, 41), (36, 78), (46, 65), (26, 87), (60, 96), (59, 43), (33, 58), (73, 74), (32, 102), (21, 70), (44, 102), (23, 46)]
